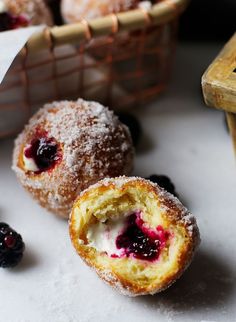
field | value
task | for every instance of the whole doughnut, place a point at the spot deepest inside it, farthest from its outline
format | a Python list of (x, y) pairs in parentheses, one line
[(22, 13), (76, 10), (66, 147)]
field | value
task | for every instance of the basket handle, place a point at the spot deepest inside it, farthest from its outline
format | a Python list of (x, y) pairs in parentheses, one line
[(159, 14)]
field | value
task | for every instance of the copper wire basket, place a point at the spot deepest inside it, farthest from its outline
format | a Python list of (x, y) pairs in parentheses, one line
[(120, 60)]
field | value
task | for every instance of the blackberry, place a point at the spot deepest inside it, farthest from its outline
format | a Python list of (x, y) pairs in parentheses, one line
[(8, 21), (133, 124), (5, 21), (164, 182), (11, 246)]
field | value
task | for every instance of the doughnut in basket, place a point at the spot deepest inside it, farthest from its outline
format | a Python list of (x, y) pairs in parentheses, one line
[(137, 237), (66, 147), (22, 13), (75, 10)]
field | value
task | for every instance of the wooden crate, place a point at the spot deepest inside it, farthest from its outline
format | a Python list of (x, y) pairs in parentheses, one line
[(219, 84)]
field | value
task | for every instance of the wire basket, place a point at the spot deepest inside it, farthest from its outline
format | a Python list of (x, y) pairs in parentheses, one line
[(120, 60)]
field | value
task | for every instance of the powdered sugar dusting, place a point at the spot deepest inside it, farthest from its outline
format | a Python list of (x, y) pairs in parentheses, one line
[(145, 5), (103, 123), (108, 276)]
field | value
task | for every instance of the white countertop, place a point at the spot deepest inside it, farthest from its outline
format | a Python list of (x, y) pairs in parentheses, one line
[(183, 139)]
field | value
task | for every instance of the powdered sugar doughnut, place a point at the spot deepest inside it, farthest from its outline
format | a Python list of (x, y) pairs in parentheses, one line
[(138, 237), (68, 146), (76, 10), (22, 13)]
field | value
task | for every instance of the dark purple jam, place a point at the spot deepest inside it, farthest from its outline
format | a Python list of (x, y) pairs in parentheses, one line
[(8, 21), (139, 241), (44, 151)]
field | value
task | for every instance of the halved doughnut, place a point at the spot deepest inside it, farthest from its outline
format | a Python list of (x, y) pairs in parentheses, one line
[(137, 237)]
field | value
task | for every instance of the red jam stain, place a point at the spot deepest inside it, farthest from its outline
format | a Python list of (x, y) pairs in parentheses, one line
[(19, 22), (44, 151), (139, 241), (8, 21)]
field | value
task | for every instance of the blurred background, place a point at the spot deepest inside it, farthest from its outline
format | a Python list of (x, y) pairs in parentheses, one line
[(209, 20)]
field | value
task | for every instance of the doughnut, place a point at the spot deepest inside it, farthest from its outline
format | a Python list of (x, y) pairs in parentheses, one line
[(76, 10), (22, 13), (68, 146), (138, 237)]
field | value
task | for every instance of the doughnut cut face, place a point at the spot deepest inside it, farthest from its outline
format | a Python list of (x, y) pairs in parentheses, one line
[(137, 237), (68, 146), (128, 236)]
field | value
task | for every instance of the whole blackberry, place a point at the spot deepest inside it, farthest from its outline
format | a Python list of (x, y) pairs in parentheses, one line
[(5, 21), (164, 182), (11, 246), (9, 22), (133, 124)]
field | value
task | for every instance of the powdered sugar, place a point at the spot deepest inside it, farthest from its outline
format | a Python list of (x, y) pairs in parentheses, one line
[(108, 276), (95, 123), (145, 5), (3, 7)]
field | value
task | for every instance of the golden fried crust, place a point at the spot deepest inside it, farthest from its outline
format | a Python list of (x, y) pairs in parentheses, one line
[(92, 142), (174, 214), (35, 10)]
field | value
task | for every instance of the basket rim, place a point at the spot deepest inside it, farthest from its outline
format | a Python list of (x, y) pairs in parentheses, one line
[(158, 14)]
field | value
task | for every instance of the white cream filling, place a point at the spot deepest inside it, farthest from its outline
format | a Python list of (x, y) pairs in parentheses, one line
[(102, 236), (3, 7), (29, 163)]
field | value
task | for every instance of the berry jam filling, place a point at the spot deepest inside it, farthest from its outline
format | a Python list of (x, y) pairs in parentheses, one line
[(44, 152), (139, 241), (8, 21)]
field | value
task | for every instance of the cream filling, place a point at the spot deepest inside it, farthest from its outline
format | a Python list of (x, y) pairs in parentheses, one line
[(3, 7), (102, 236), (29, 163)]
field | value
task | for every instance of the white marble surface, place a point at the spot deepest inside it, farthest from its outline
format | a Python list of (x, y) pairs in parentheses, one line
[(183, 139)]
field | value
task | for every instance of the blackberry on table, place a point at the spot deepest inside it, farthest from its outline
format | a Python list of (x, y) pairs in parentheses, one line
[(164, 182), (11, 246), (133, 124)]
